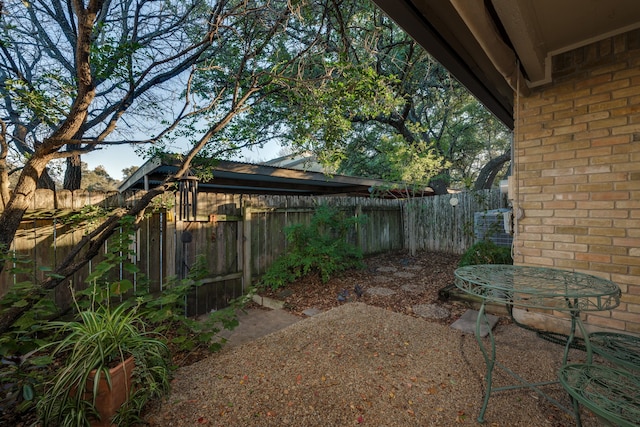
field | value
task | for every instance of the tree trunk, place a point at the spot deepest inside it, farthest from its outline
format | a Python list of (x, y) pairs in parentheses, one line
[(489, 171), (45, 181), (19, 202), (73, 172), (27, 183), (5, 193), (439, 186)]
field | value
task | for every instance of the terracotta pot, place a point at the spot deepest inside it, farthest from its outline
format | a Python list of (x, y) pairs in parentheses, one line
[(109, 400)]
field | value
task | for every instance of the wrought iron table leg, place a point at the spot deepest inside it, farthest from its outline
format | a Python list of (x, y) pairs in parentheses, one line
[(577, 321), (490, 360)]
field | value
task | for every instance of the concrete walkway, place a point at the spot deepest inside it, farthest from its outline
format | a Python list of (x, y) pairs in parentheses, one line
[(256, 322)]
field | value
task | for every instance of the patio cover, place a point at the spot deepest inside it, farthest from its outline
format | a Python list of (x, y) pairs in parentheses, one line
[(245, 178)]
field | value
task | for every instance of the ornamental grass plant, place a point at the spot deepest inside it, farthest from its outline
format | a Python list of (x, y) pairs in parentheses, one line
[(101, 337)]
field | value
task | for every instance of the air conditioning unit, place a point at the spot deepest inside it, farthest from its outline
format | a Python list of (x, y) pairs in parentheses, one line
[(493, 225)]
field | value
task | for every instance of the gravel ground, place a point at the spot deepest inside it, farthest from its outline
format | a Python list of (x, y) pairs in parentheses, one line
[(358, 364)]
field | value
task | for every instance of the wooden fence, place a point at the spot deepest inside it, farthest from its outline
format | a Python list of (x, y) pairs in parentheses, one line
[(239, 235)]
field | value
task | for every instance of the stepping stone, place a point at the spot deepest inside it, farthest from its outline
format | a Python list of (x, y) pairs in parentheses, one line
[(467, 323), (309, 312), (404, 274), (380, 291), (386, 269), (284, 293), (412, 289), (431, 311)]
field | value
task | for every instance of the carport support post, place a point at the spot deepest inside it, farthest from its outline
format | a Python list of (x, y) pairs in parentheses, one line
[(246, 245)]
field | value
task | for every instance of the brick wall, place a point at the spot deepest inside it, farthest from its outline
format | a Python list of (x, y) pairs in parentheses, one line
[(578, 171)]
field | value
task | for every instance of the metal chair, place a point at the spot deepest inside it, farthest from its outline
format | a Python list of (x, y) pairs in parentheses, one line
[(612, 394)]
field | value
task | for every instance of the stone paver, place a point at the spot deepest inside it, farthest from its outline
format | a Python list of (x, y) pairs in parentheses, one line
[(431, 311), (311, 311), (467, 323), (411, 288), (404, 274), (380, 291)]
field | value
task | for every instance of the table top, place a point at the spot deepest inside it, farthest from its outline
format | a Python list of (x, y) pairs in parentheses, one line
[(538, 287)]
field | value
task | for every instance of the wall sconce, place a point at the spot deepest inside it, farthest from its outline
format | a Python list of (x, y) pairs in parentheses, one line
[(453, 202)]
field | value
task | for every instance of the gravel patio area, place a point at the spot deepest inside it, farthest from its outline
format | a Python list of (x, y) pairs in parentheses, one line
[(357, 364)]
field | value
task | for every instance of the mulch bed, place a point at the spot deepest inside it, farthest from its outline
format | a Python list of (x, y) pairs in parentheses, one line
[(415, 280)]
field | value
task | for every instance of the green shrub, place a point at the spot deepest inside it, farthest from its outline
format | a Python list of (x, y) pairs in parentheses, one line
[(486, 252), (320, 246)]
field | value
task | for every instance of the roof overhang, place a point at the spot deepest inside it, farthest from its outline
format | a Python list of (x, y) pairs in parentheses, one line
[(498, 47), (245, 178)]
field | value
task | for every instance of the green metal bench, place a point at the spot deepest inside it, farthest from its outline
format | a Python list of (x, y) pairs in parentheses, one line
[(620, 349), (610, 393)]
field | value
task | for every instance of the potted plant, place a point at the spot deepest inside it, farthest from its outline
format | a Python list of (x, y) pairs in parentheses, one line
[(109, 359)]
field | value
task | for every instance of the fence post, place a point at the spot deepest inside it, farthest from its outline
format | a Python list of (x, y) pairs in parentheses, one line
[(359, 237), (246, 243)]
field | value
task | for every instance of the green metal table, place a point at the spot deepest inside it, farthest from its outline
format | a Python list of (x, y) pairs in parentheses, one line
[(538, 288)]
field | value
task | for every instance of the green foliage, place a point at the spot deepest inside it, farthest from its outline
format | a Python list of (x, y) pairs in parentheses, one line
[(89, 216), (101, 337), (167, 312), (108, 298), (34, 98), (22, 369), (21, 378), (320, 246), (97, 179), (486, 252)]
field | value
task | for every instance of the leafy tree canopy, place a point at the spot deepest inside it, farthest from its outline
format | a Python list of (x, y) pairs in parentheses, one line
[(389, 110)]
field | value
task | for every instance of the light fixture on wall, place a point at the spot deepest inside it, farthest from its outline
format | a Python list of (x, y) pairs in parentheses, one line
[(188, 203), (453, 201)]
